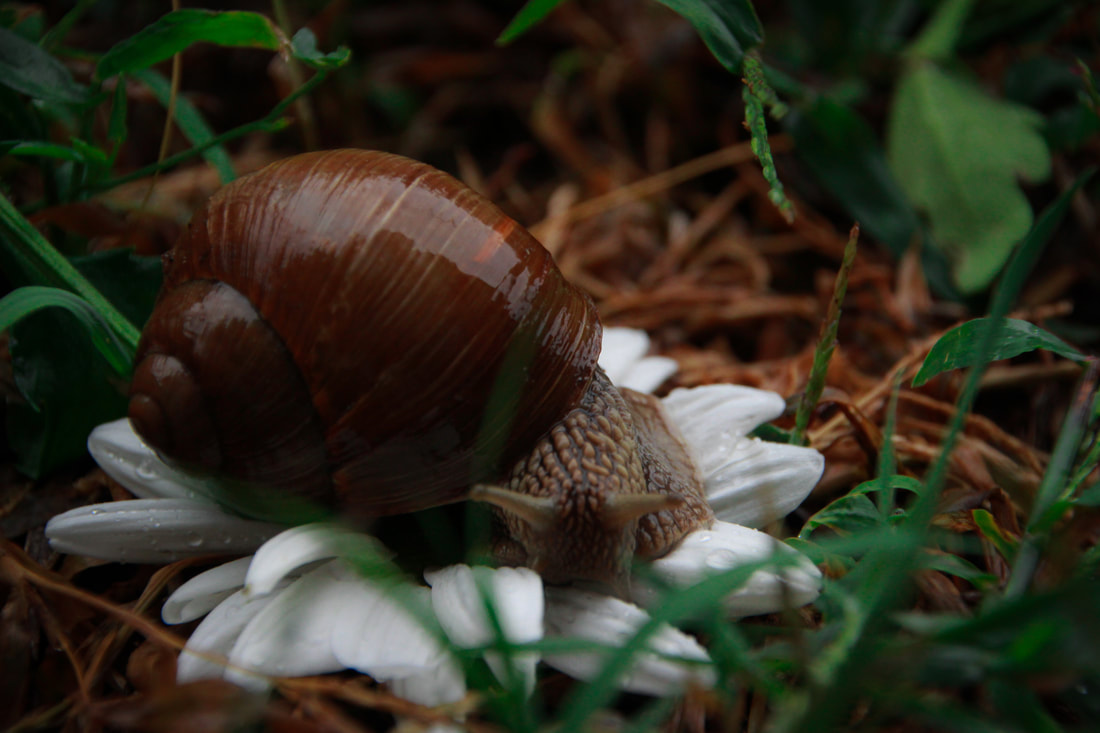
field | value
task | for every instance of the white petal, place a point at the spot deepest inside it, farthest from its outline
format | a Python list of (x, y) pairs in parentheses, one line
[(747, 480), (727, 410), (331, 619), (441, 685), (154, 531), (761, 482), (290, 636), (620, 351), (216, 635), (202, 593), (377, 633), (726, 546), (460, 595), (127, 459), (573, 613), (299, 546), (649, 373)]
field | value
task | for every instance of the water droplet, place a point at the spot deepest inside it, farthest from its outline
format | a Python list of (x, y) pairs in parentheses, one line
[(147, 470), (196, 541), (721, 559)]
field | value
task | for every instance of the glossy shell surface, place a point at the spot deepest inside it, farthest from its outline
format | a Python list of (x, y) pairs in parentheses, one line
[(429, 339)]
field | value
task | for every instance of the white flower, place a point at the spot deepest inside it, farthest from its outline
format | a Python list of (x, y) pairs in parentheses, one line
[(296, 607)]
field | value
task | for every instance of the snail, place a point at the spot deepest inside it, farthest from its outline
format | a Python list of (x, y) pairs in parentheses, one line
[(360, 331)]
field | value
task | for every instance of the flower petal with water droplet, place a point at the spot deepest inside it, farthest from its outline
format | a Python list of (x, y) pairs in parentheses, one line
[(154, 531), (127, 459)]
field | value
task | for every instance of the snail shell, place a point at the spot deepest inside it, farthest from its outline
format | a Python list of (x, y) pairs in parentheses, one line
[(362, 331)]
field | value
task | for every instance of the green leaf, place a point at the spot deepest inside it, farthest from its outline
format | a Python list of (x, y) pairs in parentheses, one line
[(27, 68), (959, 567), (179, 29), (35, 149), (67, 389), (728, 27), (852, 513), (959, 347), (35, 260), (304, 48), (22, 302), (529, 16), (958, 152), (988, 528), (894, 481)]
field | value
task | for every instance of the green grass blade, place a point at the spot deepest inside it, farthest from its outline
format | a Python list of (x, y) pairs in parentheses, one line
[(21, 302), (729, 28), (687, 603), (44, 265), (1016, 272), (528, 17), (190, 122)]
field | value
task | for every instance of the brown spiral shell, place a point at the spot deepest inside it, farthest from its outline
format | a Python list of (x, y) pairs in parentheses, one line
[(362, 330)]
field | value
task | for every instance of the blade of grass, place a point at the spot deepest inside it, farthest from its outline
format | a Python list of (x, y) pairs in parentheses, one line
[(21, 302), (529, 16), (1052, 497), (685, 603), (271, 122), (44, 265), (883, 576)]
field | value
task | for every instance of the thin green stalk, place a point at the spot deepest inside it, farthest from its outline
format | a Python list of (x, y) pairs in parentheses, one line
[(271, 122), (826, 344)]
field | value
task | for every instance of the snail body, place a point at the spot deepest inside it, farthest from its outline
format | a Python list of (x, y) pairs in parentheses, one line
[(362, 332)]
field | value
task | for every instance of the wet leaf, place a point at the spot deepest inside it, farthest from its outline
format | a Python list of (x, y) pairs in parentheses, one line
[(960, 347)]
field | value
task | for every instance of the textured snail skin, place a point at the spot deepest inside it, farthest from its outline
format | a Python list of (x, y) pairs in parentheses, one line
[(363, 331)]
